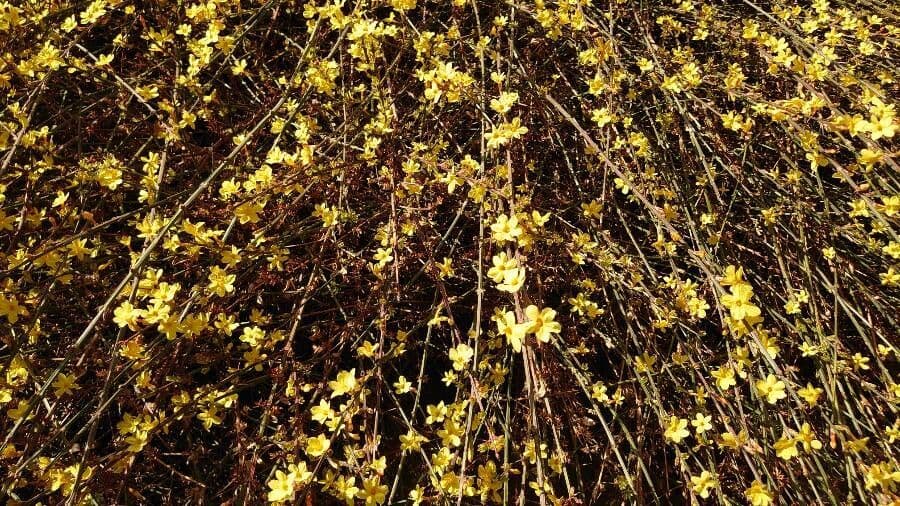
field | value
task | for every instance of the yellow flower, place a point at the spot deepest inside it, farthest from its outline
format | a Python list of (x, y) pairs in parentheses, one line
[(461, 355), (701, 423), (810, 394), (502, 263), (856, 445), (301, 471), (132, 350), (786, 447), (64, 479), (602, 117), (402, 385), (859, 209), (436, 413), (808, 438), (792, 307), (417, 495), (505, 229), (109, 175), (220, 282), (69, 24), (883, 474), (127, 315), (539, 219), (19, 411), (489, 483), (373, 492), (383, 256), (317, 446), (507, 273), (644, 362), (403, 5), (890, 206), (860, 362), (344, 383), (542, 323), (445, 268), (770, 344), (505, 132), (808, 349), (248, 212), (701, 485), (322, 412), (450, 434), (64, 384), (724, 377), (732, 441), (890, 277), (505, 102), (513, 280), (532, 452), (239, 67), (758, 494), (514, 332), (733, 276), (892, 432), (17, 372), (598, 392), (771, 388), (591, 209), (738, 302), (676, 430), (282, 487), (412, 440), (346, 488), (210, 416), (367, 349)]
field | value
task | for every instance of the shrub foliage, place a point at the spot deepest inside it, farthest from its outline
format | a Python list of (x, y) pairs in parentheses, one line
[(449, 252)]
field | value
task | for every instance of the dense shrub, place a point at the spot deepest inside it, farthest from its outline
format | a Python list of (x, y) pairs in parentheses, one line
[(449, 252)]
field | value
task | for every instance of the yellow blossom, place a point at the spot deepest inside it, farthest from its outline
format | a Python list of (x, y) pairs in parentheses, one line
[(758, 494), (542, 323), (676, 429), (771, 389)]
